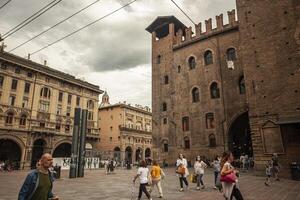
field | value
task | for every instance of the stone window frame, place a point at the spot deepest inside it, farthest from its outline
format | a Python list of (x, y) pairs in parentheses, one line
[(212, 140), (192, 67), (227, 53), (164, 107), (217, 89), (186, 142), (205, 59), (207, 117), (193, 98)]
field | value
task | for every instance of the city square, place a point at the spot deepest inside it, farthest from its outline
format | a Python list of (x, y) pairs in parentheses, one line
[(118, 186)]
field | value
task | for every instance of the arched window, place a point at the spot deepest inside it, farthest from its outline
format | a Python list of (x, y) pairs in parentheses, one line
[(231, 54), (179, 69), (212, 140), (214, 91), (210, 120), (187, 143), (45, 93), (208, 57), (242, 87), (192, 62), (166, 146), (9, 118), (164, 106), (23, 120), (90, 104), (166, 79), (158, 59), (185, 124), (195, 95)]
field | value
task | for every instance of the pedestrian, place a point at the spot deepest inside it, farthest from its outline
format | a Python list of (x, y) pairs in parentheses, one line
[(39, 182), (157, 175), (242, 162), (107, 167), (217, 168), (275, 167), (229, 178), (182, 171), (268, 173), (142, 174), (199, 167)]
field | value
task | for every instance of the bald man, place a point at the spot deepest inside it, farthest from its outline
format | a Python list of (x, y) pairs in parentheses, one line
[(38, 183)]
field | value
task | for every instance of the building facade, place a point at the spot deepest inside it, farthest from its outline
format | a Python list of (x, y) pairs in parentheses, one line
[(125, 131), (222, 88), (37, 110)]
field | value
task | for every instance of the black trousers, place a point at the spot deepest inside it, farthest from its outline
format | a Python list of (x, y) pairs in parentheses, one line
[(143, 189), (181, 180), (236, 193)]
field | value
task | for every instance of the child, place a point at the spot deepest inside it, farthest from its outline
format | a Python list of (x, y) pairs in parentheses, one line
[(143, 173), (268, 173)]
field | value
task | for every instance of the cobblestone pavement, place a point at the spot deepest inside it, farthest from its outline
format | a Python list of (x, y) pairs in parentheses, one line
[(118, 186)]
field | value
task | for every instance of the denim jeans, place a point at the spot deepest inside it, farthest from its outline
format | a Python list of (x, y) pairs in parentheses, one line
[(199, 180), (181, 180)]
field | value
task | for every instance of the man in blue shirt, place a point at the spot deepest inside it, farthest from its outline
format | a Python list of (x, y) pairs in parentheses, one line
[(39, 182)]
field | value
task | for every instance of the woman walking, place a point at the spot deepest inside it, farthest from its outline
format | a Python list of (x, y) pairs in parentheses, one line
[(217, 168), (199, 167), (229, 178), (156, 175), (142, 174), (182, 171)]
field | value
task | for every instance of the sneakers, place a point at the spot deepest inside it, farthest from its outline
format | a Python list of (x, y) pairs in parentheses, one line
[(181, 190), (215, 187), (198, 188)]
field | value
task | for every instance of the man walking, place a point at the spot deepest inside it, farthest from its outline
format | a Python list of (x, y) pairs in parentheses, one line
[(38, 183)]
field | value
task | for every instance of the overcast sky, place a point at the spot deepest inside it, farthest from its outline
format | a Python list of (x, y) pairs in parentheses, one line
[(115, 52)]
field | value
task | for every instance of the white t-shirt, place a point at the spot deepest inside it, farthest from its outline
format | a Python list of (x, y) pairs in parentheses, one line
[(143, 172)]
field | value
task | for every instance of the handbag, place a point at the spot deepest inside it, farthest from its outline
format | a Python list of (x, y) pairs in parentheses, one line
[(229, 178), (194, 178)]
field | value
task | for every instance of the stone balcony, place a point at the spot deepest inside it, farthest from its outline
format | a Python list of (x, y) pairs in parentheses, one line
[(134, 129)]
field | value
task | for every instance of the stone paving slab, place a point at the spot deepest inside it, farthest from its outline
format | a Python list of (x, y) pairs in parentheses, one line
[(96, 185)]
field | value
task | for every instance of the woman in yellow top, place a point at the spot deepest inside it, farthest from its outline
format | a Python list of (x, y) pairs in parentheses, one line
[(156, 175)]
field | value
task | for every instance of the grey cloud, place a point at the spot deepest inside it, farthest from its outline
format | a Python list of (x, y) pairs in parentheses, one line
[(107, 45)]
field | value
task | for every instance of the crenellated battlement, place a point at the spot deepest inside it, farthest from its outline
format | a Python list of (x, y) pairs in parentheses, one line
[(185, 36)]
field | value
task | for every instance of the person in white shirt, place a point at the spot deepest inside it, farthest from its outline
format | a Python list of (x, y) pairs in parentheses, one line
[(142, 174), (199, 167), (182, 177)]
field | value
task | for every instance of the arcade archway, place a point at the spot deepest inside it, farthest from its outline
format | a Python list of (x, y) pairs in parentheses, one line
[(37, 151), (63, 150), (117, 154), (138, 155), (240, 136), (10, 153), (128, 154)]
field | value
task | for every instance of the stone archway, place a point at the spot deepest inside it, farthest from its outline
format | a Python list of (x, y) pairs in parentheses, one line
[(117, 154), (37, 151), (239, 136), (62, 150), (147, 153), (128, 154), (11, 153), (138, 155)]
